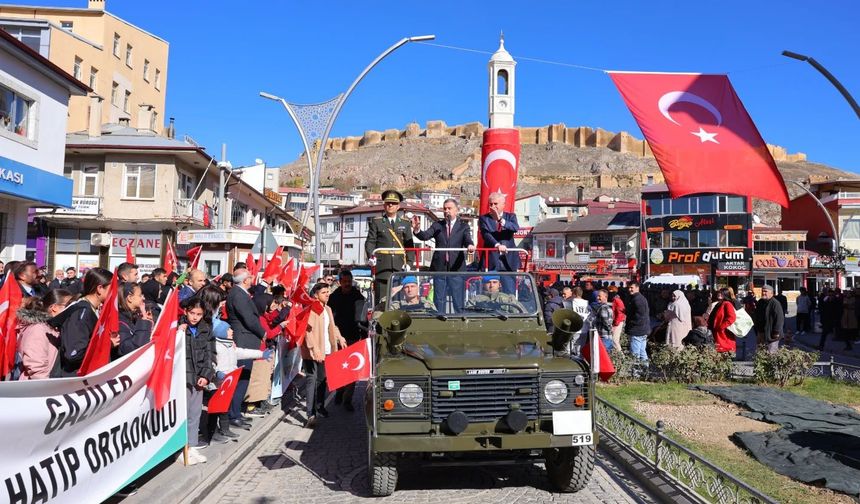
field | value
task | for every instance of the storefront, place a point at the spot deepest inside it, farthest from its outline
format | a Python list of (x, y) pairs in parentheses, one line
[(718, 267), (785, 272)]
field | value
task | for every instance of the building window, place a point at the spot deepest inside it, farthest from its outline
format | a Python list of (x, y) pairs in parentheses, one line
[(146, 70), (680, 239), (526, 218), (94, 74), (349, 222), (139, 181), (335, 248), (128, 53), (655, 240), (158, 79), (556, 210), (654, 207), (116, 44), (89, 180), (737, 204), (680, 206), (186, 186), (114, 94), (126, 102), (502, 82), (553, 249), (707, 204), (736, 238), (67, 171), (650, 180), (619, 243), (582, 243), (15, 112), (76, 69), (67, 25), (212, 268), (707, 237), (153, 121), (31, 37)]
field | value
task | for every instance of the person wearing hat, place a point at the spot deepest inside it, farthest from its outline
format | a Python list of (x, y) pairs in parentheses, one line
[(389, 230), (494, 299), (409, 298), (768, 320)]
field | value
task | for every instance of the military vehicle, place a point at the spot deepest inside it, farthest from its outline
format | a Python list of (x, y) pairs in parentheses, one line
[(483, 381)]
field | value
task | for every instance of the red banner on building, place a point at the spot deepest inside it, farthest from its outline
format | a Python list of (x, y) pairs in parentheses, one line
[(500, 165)]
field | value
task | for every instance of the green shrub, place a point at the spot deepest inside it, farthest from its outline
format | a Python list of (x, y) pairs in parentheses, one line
[(691, 364), (627, 368), (783, 365)]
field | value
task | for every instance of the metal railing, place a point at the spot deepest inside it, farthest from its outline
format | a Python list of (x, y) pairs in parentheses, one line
[(690, 471), (190, 209), (834, 370)]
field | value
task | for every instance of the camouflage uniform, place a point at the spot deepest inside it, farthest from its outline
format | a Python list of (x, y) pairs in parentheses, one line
[(501, 301)]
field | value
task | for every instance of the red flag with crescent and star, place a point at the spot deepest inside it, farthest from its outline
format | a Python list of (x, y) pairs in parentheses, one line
[(164, 338), (305, 273), (348, 365), (701, 135), (170, 259), (500, 164), (98, 350), (220, 400), (10, 301), (297, 323), (273, 268), (129, 255), (251, 266), (193, 256), (288, 276)]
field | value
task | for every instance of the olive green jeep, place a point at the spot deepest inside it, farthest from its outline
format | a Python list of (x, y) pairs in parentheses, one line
[(475, 377)]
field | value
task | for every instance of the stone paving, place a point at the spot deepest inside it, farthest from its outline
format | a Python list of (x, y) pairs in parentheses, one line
[(329, 464)]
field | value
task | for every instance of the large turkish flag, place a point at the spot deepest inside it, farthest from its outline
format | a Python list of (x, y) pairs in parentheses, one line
[(500, 166), (348, 365), (701, 135)]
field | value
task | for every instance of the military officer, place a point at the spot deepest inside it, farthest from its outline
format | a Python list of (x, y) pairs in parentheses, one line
[(405, 297), (389, 230), (493, 298)]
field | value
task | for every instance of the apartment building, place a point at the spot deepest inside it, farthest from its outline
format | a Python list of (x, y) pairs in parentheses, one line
[(122, 63)]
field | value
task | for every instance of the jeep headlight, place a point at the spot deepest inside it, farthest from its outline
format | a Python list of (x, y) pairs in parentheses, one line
[(555, 391), (412, 396)]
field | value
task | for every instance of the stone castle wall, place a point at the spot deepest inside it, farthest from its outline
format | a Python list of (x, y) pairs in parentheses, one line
[(582, 136)]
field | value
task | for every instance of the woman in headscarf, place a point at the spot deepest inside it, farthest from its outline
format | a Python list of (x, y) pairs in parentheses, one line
[(679, 317)]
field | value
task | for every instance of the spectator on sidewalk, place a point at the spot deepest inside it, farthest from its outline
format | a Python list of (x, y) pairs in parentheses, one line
[(322, 338), (37, 341), (199, 370), (700, 336), (127, 272), (619, 314), (769, 320), (135, 321), (679, 318), (804, 309), (57, 281), (244, 319), (638, 322), (601, 318), (346, 303), (721, 317), (554, 302), (849, 318), (71, 283), (831, 315), (155, 289)]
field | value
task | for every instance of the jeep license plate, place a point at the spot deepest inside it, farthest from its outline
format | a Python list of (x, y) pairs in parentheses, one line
[(581, 439)]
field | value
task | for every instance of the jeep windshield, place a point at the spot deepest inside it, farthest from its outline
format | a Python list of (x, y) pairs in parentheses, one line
[(462, 294)]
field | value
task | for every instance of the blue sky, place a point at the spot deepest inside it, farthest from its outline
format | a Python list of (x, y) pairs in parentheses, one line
[(223, 53)]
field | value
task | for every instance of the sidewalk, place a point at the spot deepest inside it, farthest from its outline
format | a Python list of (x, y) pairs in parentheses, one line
[(171, 481), (832, 348)]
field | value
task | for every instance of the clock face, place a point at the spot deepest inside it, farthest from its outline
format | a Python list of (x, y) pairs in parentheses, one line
[(503, 104)]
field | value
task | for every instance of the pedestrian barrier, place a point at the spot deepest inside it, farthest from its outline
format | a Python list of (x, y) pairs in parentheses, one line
[(701, 479), (838, 371)]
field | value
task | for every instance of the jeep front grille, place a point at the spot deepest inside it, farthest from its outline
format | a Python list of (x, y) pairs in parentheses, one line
[(484, 398)]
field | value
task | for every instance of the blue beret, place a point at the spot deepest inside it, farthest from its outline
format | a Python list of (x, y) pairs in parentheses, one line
[(408, 279), (487, 278)]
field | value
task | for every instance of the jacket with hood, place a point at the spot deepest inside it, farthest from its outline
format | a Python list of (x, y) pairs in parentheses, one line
[(555, 302), (76, 324), (133, 333), (198, 354), (38, 344)]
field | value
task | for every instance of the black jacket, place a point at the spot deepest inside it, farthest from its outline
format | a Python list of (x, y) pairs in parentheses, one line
[(461, 237), (76, 324), (699, 337), (638, 316), (552, 304), (198, 354), (72, 285), (133, 333), (769, 319), (344, 308), (244, 319), (154, 291)]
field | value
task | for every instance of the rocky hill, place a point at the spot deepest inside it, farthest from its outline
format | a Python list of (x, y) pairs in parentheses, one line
[(554, 160)]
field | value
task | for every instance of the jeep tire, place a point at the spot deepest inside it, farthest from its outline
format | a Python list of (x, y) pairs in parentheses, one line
[(569, 469), (383, 473)]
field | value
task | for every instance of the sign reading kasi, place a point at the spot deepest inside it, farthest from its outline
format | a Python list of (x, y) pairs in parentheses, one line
[(82, 439)]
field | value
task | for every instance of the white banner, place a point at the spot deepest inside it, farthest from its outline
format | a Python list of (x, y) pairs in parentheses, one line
[(82, 439)]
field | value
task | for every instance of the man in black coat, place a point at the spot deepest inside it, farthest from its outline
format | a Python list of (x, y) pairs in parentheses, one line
[(769, 319), (497, 229), (71, 283), (638, 322), (449, 232), (155, 290), (343, 303), (244, 319)]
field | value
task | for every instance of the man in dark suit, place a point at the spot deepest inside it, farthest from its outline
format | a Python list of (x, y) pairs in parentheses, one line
[(154, 289), (497, 229), (389, 230), (244, 319), (449, 232)]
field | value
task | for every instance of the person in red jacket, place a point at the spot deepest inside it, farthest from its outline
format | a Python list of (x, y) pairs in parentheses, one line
[(273, 317), (618, 316), (721, 317)]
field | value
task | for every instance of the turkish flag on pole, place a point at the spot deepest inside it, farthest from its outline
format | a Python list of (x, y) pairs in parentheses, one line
[(251, 265), (129, 255), (305, 273), (602, 365), (193, 255), (170, 259), (164, 336), (273, 269), (701, 135), (348, 365), (288, 276), (220, 401), (500, 164), (297, 323), (98, 350), (10, 301), (207, 221)]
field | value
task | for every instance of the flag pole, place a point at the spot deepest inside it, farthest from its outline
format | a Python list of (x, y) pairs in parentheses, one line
[(595, 355)]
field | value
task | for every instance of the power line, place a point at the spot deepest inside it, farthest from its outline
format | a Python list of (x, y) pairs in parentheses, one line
[(518, 58)]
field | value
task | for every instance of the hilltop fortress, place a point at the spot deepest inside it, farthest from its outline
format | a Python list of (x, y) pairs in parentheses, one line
[(582, 136)]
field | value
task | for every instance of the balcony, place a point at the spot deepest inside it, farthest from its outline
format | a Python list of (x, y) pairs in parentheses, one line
[(189, 210)]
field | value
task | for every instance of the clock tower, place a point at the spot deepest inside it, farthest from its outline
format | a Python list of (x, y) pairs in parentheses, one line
[(502, 86)]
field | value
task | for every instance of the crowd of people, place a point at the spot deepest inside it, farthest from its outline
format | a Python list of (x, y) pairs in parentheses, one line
[(227, 322)]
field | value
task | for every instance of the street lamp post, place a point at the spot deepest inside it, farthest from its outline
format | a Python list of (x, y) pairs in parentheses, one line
[(315, 122), (838, 85), (835, 232)]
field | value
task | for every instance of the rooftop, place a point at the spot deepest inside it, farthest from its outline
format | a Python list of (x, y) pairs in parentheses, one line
[(118, 136), (617, 221), (43, 64)]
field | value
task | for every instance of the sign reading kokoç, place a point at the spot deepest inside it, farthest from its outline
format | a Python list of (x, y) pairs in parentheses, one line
[(699, 256)]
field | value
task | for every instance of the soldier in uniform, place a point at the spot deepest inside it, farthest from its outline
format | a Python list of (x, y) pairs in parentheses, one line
[(493, 298), (405, 297), (389, 230)]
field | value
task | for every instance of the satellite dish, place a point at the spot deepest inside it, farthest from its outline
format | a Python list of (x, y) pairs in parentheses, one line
[(571, 245), (756, 219), (259, 161)]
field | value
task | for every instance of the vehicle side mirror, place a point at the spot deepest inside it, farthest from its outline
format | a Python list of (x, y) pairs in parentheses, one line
[(566, 323), (394, 325)]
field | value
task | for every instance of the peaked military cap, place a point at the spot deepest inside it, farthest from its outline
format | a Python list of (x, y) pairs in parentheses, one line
[(391, 196)]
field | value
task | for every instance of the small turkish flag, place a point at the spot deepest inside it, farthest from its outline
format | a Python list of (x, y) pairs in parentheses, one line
[(348, 365), (164, 336), (98, 350), (129, 255), (220, 401), (251, 265), (273, 269), (193, 255), (170, 259), (701, 135), (207, 221), (10, 301), (604, 365), (297, 323), (305, 273), (302, 297), (288, 276)]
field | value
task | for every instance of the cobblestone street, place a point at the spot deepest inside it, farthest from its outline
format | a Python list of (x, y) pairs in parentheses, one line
[(328, 464)]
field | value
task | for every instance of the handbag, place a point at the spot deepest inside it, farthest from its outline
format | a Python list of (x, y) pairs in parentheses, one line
[(743, 324)]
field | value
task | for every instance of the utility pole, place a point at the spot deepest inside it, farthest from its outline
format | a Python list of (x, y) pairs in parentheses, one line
[(222, 200)]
